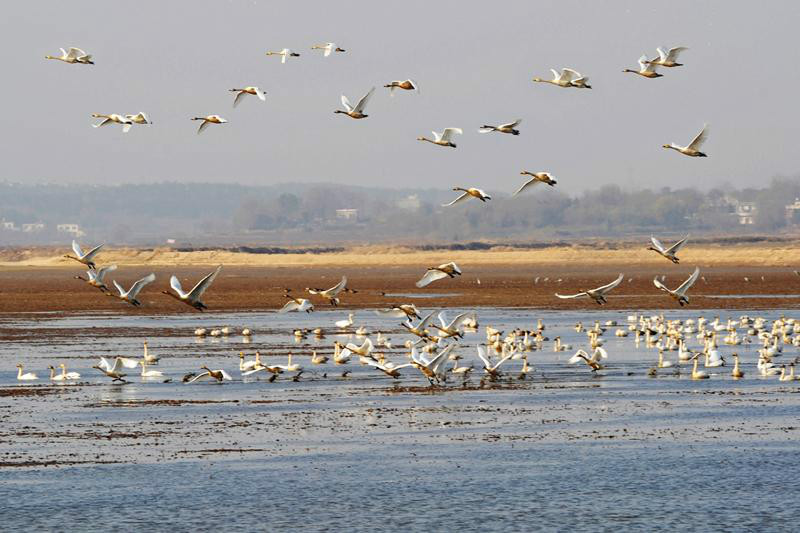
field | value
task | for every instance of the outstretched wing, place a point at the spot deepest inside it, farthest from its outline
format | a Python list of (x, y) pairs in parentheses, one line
[(577, 357), (119, 288), (512, 124), (238, 98), (346, 104), (530, 183), (482, 356), (139, 285), (127, 362), (459, 320), (698, 141), (291, 305), (431, 276), (175, 283), (203, 284), (689, 282), (461, 198), (93, 252), (364, 100), (570, 296), (677, 246), (606, 288), (77, 249), (657, 244), (660, 285), (202, 127), (673, 53), (447, 134), (566, 74), (336, 289)]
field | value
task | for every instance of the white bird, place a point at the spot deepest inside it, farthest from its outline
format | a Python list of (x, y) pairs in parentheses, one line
[(149, 373), (420, 329), (693, 149), (668, 58), (670, 252), (443, 139), (192, 298), (209, 375), (598, 294), (68, 375), (332, 294), (679, 294), (400, 311), (567, 78), (452, 328), (492, 369), (343, 324), (139, 118), (248, 365), (364, 350), (406, 85), (299, 305), (470, 192), (115, 371), (113, 118), (149, 358), (131, 294), (285, 54), (28, 376), (96, 278), (240, 93), (75, 55), (85, 258), (209, 119), (536, 177), (289, 366), (356, 111), (388, 368), (446, 270), (646, 70), (327, 48), (433, 368), (593, 362), (502, 128)]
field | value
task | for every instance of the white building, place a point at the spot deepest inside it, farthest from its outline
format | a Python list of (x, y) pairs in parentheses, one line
[(72, 229), (746, 211), (33, 227), (10, 226), (347, 214)]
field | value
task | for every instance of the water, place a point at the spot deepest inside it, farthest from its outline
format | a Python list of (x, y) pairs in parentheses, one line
[(561, 450)]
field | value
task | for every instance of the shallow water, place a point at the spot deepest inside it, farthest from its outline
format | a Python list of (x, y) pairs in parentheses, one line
[(560, 450)]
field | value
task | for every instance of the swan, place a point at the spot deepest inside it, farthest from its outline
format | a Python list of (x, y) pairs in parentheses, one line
[(318, 359), (419, 329), (400, 311), (536, 177), (502, 128), (388, 368), (598, 294), (29, 376), (217, 375), (362, 331), (364, 350), (96, 278), (85, 258), (567, 78), (784, 376), (339, 356), (646, 70), (149, 358), (406, 85), (240, 93), (149, 373), (113, 118), (693, 149), (248, 365), (209, 119), (131, 294), (298, 305), (289, 367), (443, 139), (451, 329), (698, 374), (327, 48), (68, 375), (139, 118), (433, 369), (470, 192), (192, 298), (736, 373), (75, 55), (492, 369), (679, 294), (247, 332), (344, 324), (661, 362), (285, 54), (115, 371), (668, 58), (54, 376), (461, 370), (356, 111), (446, 270), (592, 362), (559, 347), (332, 294), (670, 252)]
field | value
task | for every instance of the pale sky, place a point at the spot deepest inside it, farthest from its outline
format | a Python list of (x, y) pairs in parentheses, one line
[(473, 61)]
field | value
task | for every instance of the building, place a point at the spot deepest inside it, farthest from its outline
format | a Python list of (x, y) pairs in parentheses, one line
[(347, 214), (793, 213), (746, 212), (10, 226), (33, 227), (72, 229)]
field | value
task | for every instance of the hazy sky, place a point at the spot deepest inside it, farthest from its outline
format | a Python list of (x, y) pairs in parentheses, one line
[(473, 61)]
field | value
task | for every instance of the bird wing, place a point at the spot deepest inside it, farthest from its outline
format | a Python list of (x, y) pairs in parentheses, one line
[(574, 74), (570, 296), (75, 53), (238, 98), (459, 320), (336, 289), (203, 284), (512, 124), (440, 358), (261, 95), (127, 362), (482, 356), (660, 285), (119, 288), (657, 244), (662, 55), (93, 252), (225, 375), (677, 246), (454, 267), (577, 357), (461, 198), (606, 288), (698, 141), (77, 249), (139, 285), (175, 283), (447, 134), (673, 53), (431, 276), (566, 74), (200, 377), (291, 305), (393, 313), (328, 48), (346, 104), (104, 364), (688, 283), (413, 84), (426, 321), (364, 100), (203, 126), (442, 316)]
